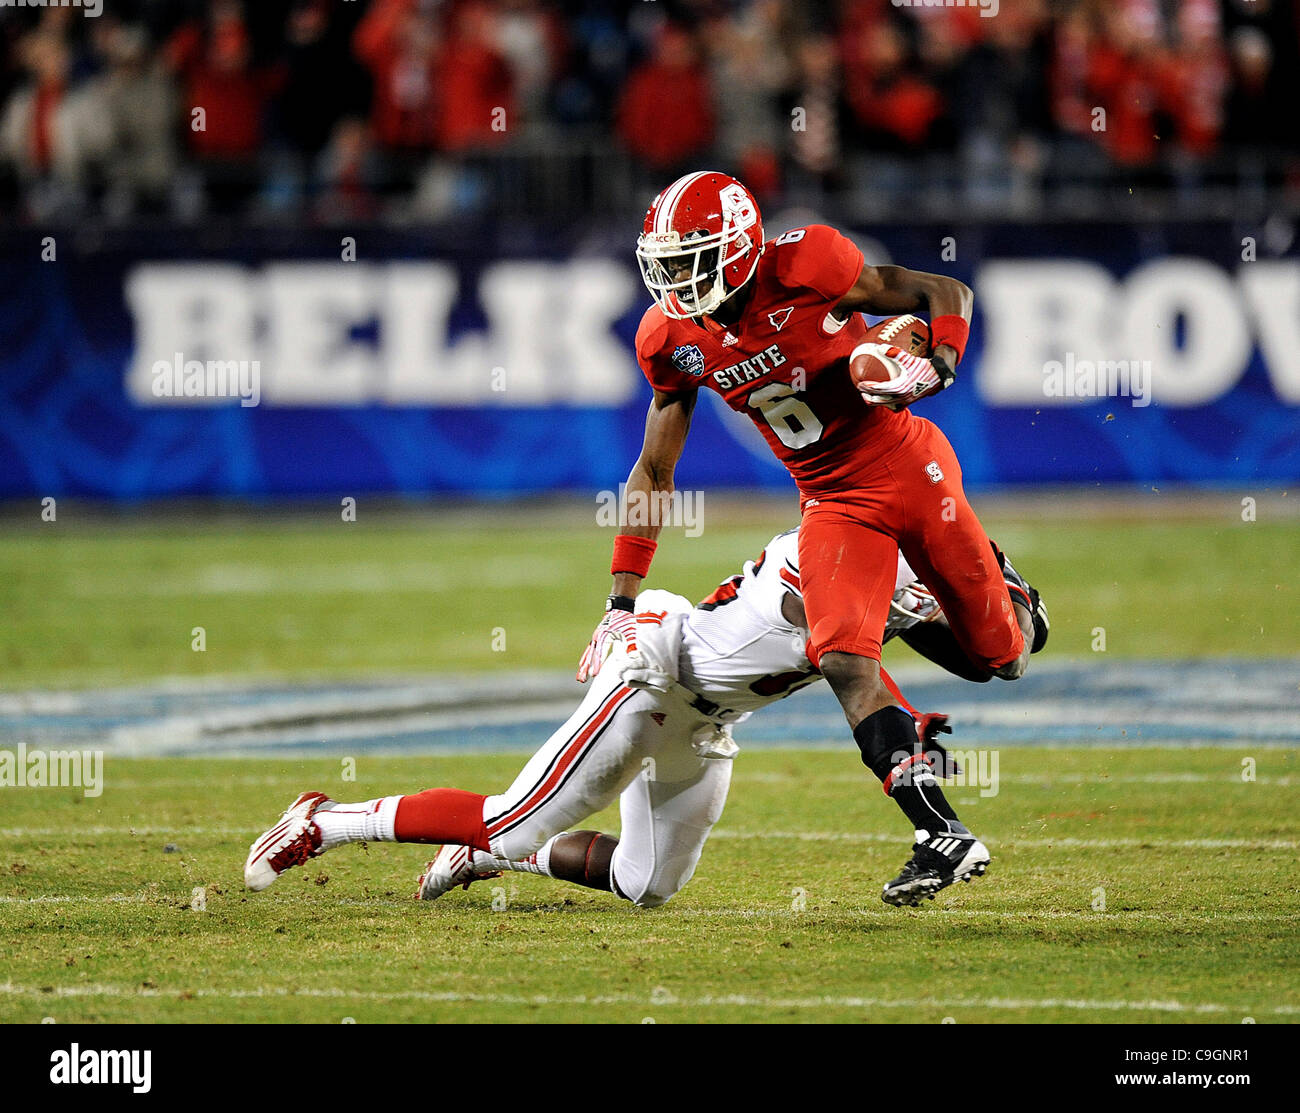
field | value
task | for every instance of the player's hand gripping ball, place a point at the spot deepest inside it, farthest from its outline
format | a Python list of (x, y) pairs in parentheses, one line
[(892, 366), (615, 629)]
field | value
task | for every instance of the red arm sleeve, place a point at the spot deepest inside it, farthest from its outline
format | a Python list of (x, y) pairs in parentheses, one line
[(821, 259)]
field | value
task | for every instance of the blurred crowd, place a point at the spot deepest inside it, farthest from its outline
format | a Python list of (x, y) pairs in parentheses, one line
[(430, 109)]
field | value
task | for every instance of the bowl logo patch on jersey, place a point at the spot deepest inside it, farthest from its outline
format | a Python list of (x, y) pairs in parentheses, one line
[(688, 359)]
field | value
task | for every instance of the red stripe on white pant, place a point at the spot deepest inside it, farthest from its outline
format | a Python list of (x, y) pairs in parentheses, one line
[(567, 758)]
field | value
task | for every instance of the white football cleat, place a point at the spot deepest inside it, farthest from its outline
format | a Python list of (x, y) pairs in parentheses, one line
[(293, 840), (451, 866)]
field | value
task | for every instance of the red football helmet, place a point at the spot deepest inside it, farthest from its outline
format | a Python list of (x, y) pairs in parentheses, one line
[(702, 239)]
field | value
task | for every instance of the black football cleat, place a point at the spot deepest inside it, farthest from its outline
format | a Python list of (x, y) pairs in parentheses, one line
[(937, 861)]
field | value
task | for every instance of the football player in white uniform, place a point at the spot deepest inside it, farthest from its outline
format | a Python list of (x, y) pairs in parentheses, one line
[(653, 731)]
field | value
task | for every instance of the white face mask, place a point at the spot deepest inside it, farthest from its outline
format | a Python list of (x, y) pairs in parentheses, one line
[(694, 284), (685, 275)]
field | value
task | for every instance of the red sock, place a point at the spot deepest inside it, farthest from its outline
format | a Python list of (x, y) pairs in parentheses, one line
[(442, 815)]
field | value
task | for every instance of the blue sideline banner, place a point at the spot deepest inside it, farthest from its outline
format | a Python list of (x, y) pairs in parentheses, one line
[(310, 363)]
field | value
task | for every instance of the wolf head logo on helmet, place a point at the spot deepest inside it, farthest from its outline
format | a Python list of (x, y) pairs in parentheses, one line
[(702, 239)]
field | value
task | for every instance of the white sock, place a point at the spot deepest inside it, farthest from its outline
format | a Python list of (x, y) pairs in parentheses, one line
[(368, 822), (540, 862)]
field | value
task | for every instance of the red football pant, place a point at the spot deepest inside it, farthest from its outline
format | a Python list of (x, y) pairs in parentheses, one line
[(848, 556)]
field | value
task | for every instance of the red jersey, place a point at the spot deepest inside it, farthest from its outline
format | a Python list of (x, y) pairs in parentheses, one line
[(785, 363)]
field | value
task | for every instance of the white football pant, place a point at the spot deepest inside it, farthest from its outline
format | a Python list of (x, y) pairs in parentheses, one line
[(641, 746)]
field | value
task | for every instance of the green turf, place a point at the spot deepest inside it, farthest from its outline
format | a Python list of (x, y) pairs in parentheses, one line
[(1208, 930), (86, 605)]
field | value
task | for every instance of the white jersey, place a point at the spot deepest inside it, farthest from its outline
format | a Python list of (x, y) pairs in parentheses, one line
[(654, 728), (735, 648)]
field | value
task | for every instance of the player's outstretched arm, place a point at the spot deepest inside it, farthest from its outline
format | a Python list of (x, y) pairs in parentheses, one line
[(650, 485), (935, 642), (645, 508), (891, 290)]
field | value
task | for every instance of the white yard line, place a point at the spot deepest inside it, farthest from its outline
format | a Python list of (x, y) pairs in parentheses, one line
[(179, 831), (1069, 843), (293, 779), (1098, 779), (290, 779), (1022, 916), (649, 1002), (1062, 842), (112, 898)]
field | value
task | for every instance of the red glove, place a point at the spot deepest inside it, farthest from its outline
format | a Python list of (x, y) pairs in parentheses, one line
[(929, 726)]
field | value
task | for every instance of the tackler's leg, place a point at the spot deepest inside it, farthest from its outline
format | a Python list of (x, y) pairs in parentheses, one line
[(667, 814), (314, 824), (668, 810), (581, 770)]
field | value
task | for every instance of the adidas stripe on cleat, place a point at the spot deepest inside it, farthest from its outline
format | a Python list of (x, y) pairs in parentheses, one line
[(937, 861)]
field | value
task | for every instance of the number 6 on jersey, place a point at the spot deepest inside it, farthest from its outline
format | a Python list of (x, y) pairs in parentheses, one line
[(795, 425)]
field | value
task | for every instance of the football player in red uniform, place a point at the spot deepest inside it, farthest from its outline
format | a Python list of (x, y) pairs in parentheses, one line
[(771, 326)]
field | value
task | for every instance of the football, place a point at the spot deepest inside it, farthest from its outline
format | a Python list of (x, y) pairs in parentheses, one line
[(907, 331)]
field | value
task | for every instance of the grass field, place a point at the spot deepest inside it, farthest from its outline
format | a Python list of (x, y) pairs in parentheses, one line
[(89, 603), (1199, 923), (1135, 884)]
